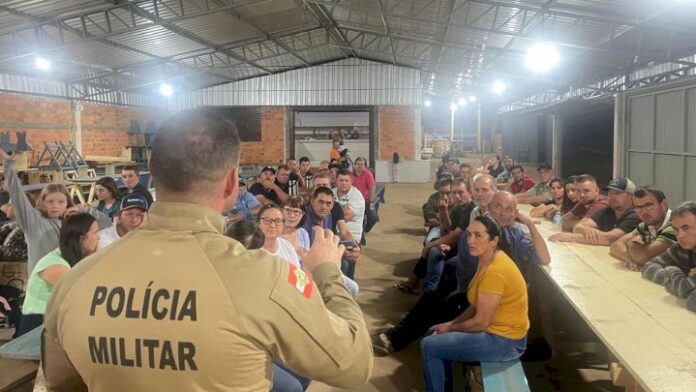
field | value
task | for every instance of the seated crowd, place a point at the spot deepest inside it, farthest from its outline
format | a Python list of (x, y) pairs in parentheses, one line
[(478, 247), (54, 235), (475, 267)]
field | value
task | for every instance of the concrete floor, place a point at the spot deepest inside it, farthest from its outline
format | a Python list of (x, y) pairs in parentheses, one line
[(391, 252)]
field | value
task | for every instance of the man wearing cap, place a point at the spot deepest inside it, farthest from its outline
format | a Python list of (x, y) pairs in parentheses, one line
[(268, 190), (246, 205), (131, 216), (541, 191), (609, 223), (653, 235), (178, 306)]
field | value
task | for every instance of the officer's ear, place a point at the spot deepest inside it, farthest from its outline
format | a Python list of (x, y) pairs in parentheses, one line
[(231, 190)]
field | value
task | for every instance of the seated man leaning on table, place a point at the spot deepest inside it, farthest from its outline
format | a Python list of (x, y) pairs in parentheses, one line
[(653, 235), (609, 223), (676, 268)]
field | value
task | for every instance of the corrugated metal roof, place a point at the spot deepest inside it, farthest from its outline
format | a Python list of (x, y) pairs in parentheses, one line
[(210, 41)]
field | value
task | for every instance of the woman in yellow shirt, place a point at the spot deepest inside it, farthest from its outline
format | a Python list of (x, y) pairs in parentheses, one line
[(494, 327)]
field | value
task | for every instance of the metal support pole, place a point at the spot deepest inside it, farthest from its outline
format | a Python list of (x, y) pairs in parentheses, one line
[(451, 128), (479, 126), (619, 134), (557, 144), (76, 131)]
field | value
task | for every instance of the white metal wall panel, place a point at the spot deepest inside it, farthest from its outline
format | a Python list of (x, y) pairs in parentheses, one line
[(669, 121), (690, 185), (340, 83), (669, 176), (640, 168), (691, 122), (641, 112), (660, 139), (22, 84)]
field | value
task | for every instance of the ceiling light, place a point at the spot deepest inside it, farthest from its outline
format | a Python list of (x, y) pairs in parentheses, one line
[(453, 107), (472, 98), (499, 87), (427, 103), (166, 89), (42, 64), (542, 58), (461, 101)]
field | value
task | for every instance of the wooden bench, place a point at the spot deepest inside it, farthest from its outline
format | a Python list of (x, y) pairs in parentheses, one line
[(504, 377), (648, 330), (15, 372)]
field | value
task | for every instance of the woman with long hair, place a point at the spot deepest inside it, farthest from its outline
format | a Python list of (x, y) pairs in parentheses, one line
[(494, 326), (41, 225), (563, 199), (79, 238), (109, 196)]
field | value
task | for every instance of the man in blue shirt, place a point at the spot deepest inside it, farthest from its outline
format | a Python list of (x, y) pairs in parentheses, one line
[(449, 300), (246, 206)]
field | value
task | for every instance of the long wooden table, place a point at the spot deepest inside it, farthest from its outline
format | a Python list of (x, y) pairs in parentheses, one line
[(650, 331)]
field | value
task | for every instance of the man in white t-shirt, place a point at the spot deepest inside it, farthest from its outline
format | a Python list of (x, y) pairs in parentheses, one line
[(132, 215), (352, 202)]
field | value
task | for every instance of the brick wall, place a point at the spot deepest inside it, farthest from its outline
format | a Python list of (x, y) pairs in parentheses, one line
[(104, 127), (271, 148), (396, 132)]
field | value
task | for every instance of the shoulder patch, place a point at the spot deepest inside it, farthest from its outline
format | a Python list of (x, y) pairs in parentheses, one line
[(300, 280)]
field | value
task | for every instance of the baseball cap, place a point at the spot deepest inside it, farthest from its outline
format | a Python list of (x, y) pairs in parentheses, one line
[(268, 168), (133, 201), (622, 184)]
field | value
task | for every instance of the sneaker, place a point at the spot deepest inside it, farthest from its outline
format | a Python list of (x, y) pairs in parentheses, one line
[(381, 345)]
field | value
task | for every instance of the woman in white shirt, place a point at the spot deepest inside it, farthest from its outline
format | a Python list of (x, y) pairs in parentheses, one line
[(271, 224)]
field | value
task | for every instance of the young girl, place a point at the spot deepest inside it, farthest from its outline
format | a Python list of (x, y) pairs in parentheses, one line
[(41, 225), (79, 238), (109, 197)]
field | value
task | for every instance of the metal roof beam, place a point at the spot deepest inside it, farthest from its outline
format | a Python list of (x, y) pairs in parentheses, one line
[(132, 25), (193, 37), (323, 16), (386, 29)]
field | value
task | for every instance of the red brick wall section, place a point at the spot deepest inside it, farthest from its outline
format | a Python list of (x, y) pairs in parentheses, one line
[(271, 148), (396, 132), (104, 127)]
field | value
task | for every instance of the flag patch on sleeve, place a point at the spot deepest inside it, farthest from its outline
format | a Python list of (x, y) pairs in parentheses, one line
[(300, 281)]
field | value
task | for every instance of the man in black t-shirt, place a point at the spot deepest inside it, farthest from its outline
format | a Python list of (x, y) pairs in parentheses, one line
[(610, 223), (267, 190)]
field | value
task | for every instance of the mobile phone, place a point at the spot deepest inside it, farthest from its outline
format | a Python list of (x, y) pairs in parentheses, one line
[(350, 245)]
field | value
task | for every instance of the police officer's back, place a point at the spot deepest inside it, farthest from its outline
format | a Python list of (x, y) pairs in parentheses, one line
[(178, 306)]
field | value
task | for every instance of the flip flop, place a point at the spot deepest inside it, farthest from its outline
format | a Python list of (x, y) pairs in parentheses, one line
[(405, 289)]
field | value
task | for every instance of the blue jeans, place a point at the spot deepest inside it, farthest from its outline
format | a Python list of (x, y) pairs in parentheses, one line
[(435, 265), (285, 380), (348, 268), (439, 351)]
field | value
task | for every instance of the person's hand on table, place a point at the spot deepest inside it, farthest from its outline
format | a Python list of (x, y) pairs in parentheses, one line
[(562, 237)]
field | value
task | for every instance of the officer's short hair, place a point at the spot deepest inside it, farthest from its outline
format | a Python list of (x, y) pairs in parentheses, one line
[(194, 144)]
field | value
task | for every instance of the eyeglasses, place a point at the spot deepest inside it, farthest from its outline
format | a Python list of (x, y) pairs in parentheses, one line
[(269, 221), (293, 211)]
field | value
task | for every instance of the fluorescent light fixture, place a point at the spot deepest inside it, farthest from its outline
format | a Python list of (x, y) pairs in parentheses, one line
[(461, 101), (499, 87), (472, 98), (542, 58), (166, 89), (453, 107), (427, 103), (42, 64)]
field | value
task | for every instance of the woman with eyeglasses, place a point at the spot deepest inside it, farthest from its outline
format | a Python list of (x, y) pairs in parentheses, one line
[(271, 223), (293, 212)]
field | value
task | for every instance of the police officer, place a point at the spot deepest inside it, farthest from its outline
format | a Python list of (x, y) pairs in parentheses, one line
[(176, 305)]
